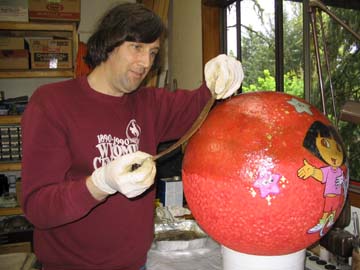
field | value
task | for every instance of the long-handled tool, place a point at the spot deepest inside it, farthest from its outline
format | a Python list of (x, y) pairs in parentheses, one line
[(196, 125)]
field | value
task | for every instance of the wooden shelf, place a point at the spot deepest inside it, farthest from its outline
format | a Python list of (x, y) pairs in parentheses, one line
[(36, 73), (65, 30), (10, 166), (8, 211), (10, 119), (38, 26)]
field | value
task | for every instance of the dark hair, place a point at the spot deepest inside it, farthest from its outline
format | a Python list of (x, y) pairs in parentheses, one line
[(125, 22), (318, 128)]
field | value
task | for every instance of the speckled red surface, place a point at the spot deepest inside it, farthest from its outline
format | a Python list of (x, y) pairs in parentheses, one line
[(243, 138)]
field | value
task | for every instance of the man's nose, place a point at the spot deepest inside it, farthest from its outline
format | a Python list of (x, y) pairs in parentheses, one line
[(146, 59)]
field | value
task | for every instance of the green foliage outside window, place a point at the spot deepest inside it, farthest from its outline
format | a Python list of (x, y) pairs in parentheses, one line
[(258, 59), (293, 84)]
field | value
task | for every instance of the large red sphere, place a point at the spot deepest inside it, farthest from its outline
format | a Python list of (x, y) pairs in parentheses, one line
[(265, 174)]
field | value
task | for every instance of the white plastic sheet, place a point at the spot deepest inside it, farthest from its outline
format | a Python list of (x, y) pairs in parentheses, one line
[(206, 258)]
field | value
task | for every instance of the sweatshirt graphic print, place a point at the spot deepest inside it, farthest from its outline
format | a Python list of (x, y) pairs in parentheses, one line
[(110, 146)]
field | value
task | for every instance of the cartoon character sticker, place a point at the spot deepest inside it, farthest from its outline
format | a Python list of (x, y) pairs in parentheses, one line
[(325, 143), (268, 184)]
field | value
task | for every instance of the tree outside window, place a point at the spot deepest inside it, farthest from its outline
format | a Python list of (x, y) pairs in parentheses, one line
[(250, 36)]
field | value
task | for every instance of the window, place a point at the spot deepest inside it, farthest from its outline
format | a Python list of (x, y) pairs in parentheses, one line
[(250, 35), (274, 41)]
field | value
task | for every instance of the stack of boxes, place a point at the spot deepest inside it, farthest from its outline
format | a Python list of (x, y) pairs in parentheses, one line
[(51, 54), (44, 52), (58, 10)]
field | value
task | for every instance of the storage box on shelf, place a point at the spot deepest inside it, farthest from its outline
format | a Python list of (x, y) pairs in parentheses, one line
[(65, 31), (12, 43), (14, 10), (14, 59), (51, 53), (60, 10)]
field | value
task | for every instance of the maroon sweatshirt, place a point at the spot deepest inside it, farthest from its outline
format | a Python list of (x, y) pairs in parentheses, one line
[(68, 131)]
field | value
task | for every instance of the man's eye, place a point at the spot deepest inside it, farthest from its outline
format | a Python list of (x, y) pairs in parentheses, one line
[(136, 46)]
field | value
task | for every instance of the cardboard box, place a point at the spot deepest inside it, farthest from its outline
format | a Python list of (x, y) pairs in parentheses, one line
[(51, 54), (54, 10), (14, 59), (14, 10), (12, 43)]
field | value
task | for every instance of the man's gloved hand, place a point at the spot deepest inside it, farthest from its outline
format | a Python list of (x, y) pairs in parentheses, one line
[(130, 175), (223, 75)]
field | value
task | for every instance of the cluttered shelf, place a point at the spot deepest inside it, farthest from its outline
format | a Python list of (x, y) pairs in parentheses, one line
[(23, 42), (46, 73), (13, 162), (41, 29), (38, 26), (10, 199)]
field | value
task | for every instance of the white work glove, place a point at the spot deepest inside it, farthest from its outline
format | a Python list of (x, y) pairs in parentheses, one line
[(223, 75), (121, 175)]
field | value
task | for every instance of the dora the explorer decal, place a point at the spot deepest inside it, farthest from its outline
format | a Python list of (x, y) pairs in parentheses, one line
[(324, 142)]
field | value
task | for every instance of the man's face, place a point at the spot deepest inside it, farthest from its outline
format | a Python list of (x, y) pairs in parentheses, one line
[(128, 65)]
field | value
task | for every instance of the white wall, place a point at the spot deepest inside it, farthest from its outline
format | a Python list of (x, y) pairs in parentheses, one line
[(185, 47), (91, 12)]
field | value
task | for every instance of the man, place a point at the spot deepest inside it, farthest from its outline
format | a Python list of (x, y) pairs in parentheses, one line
[(88, 172)]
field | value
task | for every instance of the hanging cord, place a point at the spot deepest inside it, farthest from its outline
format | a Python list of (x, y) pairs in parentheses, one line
[(326, 55)]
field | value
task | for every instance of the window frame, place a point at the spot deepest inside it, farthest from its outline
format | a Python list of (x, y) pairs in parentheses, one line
[(212, 36)]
